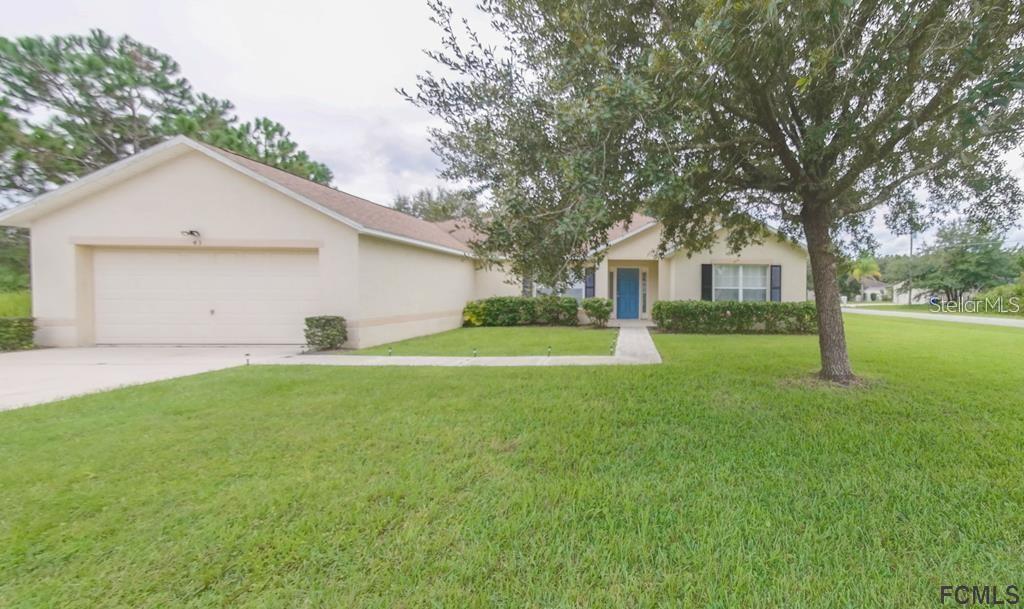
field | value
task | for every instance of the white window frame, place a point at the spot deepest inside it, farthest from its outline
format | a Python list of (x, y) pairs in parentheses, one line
[(739, 288)]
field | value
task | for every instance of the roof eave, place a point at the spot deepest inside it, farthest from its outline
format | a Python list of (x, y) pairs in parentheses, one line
[(371, 232)]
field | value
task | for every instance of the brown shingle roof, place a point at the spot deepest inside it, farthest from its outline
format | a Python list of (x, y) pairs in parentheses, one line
[(371, 215), (621, 229), (871, 282), (459, 228)]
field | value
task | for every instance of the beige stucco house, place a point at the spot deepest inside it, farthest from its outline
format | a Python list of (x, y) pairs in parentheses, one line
[(190, 244), (775, 270)]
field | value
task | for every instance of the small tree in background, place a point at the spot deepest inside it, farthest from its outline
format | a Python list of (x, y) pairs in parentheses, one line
[(865, 266), (711, 114), (438, 205), (850, 287)]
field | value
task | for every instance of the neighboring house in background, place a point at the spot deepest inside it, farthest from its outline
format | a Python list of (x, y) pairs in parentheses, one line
[(872, 290), (190, 244), (902, 296)]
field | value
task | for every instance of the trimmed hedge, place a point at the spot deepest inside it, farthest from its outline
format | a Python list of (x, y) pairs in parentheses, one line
[(599, 310), (326, 332), (16, 333), (706, 317), (522, 311)]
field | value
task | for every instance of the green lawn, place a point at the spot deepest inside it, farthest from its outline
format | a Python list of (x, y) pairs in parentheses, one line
[(16, 304), (722, 478), (527, 340), (927, 308)]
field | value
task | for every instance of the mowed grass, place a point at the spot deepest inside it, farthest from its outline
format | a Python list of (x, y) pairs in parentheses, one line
[(524, 340), (16, 304), (723, 478), (927, 308)]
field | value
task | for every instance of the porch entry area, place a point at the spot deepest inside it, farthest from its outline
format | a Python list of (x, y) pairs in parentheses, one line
[(633, 288)]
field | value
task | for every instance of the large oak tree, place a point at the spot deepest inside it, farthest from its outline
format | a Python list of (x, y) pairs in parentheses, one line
[(714, 114)]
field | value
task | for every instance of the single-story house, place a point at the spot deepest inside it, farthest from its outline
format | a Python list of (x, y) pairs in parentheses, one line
[(872, 290), (186, 243)]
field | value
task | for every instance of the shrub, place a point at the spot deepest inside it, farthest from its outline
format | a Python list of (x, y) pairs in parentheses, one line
[(521, 311), (473, 314), (16, 333), (556, 311), (599, 310), (705, 317), (325, 332), (499, 311)]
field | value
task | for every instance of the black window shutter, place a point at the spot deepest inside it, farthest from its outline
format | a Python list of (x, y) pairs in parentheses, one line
[(705, 282), (588, 284), (776, 285)]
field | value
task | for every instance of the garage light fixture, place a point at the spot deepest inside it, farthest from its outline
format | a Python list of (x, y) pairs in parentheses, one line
[(192, 234)]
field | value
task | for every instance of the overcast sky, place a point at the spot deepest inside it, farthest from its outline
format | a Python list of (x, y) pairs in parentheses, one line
[(327, 70)]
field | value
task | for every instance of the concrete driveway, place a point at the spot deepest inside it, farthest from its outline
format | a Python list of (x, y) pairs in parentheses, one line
[(44, 375)]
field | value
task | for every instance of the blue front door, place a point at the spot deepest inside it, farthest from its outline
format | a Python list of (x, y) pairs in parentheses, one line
[(627, 293)]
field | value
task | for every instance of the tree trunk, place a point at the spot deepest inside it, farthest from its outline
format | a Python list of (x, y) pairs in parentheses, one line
[(835, 362)]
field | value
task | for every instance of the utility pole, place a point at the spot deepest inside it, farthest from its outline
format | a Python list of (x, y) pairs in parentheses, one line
[(910, 269)]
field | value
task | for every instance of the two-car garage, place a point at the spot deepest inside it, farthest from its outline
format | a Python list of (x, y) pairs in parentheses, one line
[(203, 296)]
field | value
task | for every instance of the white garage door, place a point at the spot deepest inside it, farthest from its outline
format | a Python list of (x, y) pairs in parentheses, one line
[(194, 296)]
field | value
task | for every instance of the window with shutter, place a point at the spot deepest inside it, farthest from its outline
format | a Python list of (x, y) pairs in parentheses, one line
[(776, 288)]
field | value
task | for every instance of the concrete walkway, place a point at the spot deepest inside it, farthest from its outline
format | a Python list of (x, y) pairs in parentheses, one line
[(634, 346), (957, 319)]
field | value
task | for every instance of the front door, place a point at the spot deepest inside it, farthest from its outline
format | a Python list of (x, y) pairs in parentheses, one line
[(627, 293)]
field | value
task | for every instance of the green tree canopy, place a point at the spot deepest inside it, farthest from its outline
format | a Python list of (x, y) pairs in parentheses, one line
[(708, 113), (440, 204), (70, 105), (964, 260)]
